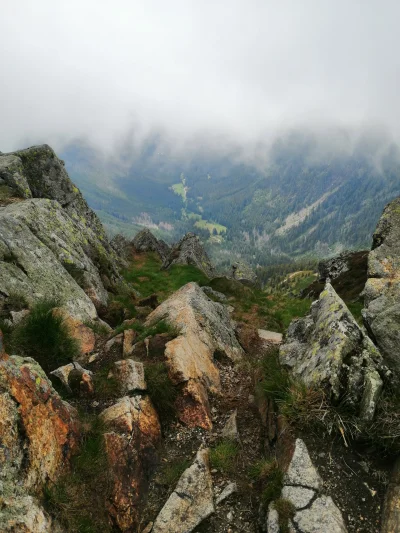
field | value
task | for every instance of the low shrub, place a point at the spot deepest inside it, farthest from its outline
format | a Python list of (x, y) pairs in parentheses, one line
[(44, 336)]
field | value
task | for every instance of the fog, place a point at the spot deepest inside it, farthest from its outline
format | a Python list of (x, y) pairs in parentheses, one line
[(199, 73)]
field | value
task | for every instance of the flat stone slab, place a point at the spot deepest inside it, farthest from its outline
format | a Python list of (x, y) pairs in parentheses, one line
[(301, 470), (270, 336)]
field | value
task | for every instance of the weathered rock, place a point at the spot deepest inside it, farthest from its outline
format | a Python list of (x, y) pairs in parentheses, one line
[(382, 290), (323, 515), (214, 295), (63, 372), (315, 512), (330, 269), (23, 514), (270, 337), (129, 375), (38, 434), (30, 268), (190, 251), (230, 430), (204, 327), (43, 176), (228, 490), (328, 348), (192, 500), (391, 509), (122, 247), (299, 497), (243, 272), (192, 405), (79, 331), (128, 342), (145, 241), (134, 433), (301, 471), (47, 426), (18, 316), (151, 301)]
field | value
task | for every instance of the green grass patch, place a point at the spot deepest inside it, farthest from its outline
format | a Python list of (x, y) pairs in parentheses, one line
[(161, 390), (223, 456), (170, 472), (179, 189), (44, 336), (210, 226), (148, 278)]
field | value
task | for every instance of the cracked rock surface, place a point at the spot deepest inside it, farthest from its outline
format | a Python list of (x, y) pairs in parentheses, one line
[(192, 500), (314, 511)]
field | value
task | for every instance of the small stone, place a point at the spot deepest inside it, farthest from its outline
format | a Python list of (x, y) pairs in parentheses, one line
[(228, 490), (230, 430)]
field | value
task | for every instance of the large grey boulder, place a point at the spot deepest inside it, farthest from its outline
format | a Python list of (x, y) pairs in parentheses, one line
[(241, 271), (328, 348), (192, 500), (382, 290), (30, 268), (37, 172), (145, 241), (190, 251)]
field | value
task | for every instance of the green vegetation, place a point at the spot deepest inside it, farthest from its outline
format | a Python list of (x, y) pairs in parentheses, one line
[(210, 226), (223, 456), (44, 336), (260, 309), (149, 331), (179, 189), (161, 390), (171, 472), (106, 387), (262, 469), (78, 499), (309, 408), (147, 277)]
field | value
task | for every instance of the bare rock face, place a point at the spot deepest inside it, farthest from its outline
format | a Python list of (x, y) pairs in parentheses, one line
[(382, 290), (52, 244), (328, 348), (133, 435), (192, 500), (129, 375), (145, 241), (243, 272), (38, 433), (204, 328), (190, 251), (335, 266), (79, 331), (314, 511)]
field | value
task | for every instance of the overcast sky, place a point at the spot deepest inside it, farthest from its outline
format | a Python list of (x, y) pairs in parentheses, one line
[(237, 68)]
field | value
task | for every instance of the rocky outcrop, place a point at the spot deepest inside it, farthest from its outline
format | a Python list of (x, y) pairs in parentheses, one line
[(334, 267), (129, 375), (204, 328), (192, 500), (38, 435), (382, 290), (190, 251), (328, 348), (145, 241), (52, 244), (243, 272), (313, 511), (131, 441)]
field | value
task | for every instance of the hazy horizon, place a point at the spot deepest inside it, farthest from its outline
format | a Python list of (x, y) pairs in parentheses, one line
[(213, 74)]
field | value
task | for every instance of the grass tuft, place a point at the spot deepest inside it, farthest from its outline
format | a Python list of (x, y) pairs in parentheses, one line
[(286, 511), (171, 472), (44, 336), (224, 455)]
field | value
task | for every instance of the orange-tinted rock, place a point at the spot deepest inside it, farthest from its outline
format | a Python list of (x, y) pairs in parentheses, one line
[(83, 334), (131, 446), (47, 428), (193, 407), (129, 339)]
